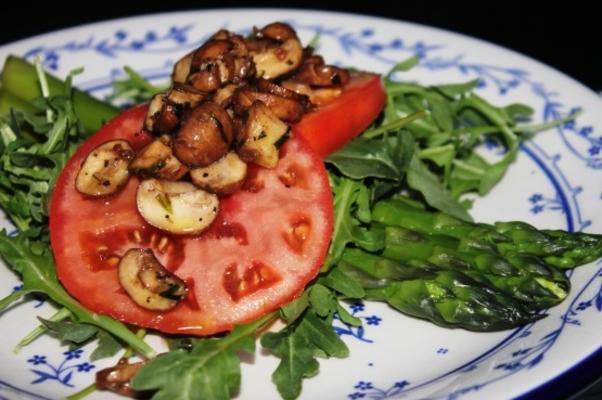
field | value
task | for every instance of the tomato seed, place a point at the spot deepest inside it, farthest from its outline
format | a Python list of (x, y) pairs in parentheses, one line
[(162, 244)]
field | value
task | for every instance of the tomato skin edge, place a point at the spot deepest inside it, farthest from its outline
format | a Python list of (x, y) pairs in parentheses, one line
[(137, 113), (331, 127)]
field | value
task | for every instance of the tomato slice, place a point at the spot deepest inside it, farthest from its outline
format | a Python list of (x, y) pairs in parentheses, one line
[(268, 242), (331, 126)]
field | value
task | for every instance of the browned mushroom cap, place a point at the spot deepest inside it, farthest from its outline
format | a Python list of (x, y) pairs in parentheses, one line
[(166, 110), (221, 34), (317, 96), (185, 95), (313, 72), (162, 116), (205, 136), (238, 42), (212, 50), (276, 50), (237, 68), (262, 132), (220, 61), (157, 159), (207, 79), (286, 104), (223, 96), (181, 69), (117, 379), (277, 31), (266, 86)]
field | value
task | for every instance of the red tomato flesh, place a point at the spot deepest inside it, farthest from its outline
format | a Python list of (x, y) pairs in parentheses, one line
[(268, 242), (335, 124)]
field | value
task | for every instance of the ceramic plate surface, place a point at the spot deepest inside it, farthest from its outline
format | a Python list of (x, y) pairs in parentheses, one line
[(555, 183)]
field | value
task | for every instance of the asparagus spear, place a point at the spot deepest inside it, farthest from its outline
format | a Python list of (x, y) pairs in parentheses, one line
[(20, 81), (462, 274), (446, 297), (524, 277), (556, 248), (9, 100)]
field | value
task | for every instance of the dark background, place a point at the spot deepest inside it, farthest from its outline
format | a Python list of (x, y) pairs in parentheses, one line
[(565, 35)]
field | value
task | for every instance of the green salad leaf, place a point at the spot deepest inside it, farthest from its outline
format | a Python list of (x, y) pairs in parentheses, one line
[(210, 370)]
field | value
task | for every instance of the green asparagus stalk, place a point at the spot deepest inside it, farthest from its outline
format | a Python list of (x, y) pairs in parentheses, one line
[(9, 101), (556, 248), (20, 81), (462, 274), (446, 297), (524, 277)]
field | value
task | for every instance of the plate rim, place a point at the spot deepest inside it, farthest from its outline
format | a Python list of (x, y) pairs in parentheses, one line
[(572, 380)]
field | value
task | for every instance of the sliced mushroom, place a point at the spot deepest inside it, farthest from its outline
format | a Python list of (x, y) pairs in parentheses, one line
[(148, 283), (205, 136), (316, 74), (154, 108), (176, 207), (274, 61), (224, 176), (223, 96), (212, 50), (181, 69), (185, 95), (237, 68), (276, 50), (285, 109), (206, 79), (117, 379), (262, 132), (270, 87), (221, 60), (222, 34), (317, 96), (157, 159), (277, 31), (105, 169)]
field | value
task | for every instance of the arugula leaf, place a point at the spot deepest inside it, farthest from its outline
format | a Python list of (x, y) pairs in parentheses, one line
[(298, 360), (420, 178), (342, 283), (34, 262), (35, 149), (453, 90), (404, 66), (297, 346), (210, 371), (107, 346), (385, 159), (70, 331), (134, 89), (293, 310), (347, 318), (322, 300), (350, 196)]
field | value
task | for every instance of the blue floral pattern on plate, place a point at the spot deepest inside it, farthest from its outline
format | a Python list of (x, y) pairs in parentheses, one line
[(62, 373), (357, 332)]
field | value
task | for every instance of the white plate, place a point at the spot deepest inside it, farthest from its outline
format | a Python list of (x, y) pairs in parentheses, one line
[(554, 183)]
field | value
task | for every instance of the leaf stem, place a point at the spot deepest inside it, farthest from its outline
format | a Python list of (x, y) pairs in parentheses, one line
[(391, 126), (41, 329), (534, 128), (129, 351), (43, 87), (11, 298)]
